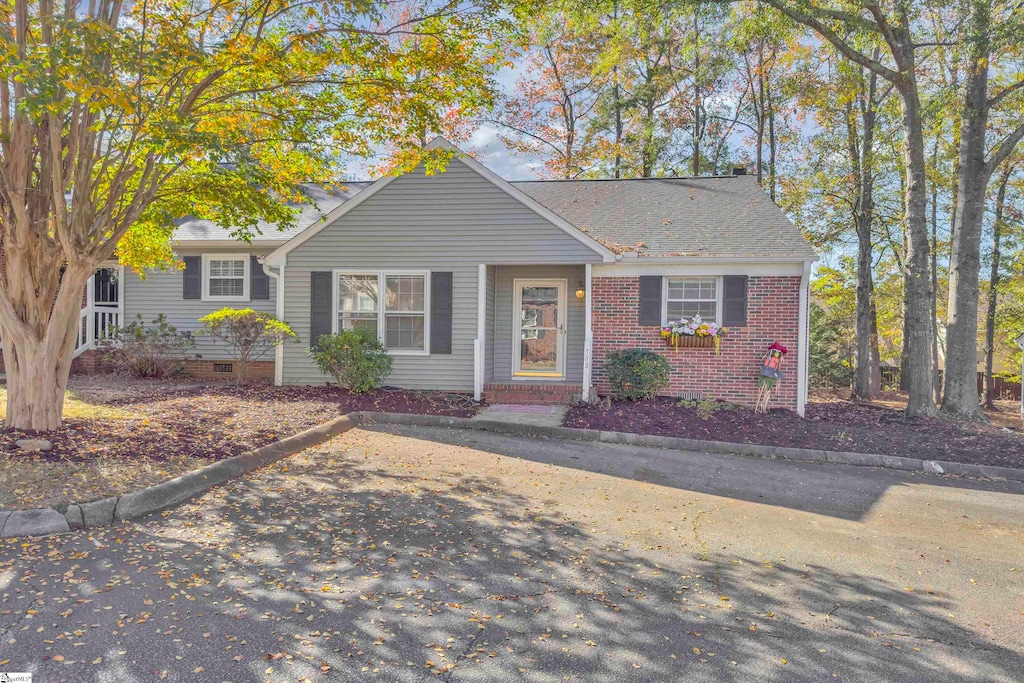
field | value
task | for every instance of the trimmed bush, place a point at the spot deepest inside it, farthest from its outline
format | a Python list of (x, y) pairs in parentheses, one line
[(355, 359), (247, 333), (156, 350), (637, 374)]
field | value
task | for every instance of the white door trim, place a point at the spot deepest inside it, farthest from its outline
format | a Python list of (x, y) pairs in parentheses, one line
[(517, 326)]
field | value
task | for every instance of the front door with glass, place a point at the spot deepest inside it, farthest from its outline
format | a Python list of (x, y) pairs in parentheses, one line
[(539, 313)]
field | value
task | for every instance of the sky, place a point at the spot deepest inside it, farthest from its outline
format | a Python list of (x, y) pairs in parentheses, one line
[(484, 144)]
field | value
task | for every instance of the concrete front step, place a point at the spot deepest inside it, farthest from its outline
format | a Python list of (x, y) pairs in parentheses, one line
[(538, 393)]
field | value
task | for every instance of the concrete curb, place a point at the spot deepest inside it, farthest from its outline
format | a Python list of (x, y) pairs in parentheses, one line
[(675, 443), (98, 513)]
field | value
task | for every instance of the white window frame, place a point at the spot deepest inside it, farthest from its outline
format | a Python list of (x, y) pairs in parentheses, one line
[(664, 294), (246, 276), (382, 303)]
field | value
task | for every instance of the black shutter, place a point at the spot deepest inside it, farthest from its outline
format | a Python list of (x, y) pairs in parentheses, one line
[(441, 313), (259, 281), (734, 300), (192, 278), (650, 300), (320, 308)]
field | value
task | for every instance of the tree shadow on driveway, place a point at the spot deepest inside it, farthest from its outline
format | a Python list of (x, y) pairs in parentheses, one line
[(841, 491), (350, 565)]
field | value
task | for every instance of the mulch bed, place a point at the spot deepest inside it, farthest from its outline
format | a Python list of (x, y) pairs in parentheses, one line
[(144, 432), (832, 425), (214, 420)]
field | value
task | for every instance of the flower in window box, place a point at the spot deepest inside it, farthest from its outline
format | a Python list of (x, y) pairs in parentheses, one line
[(675, 333)]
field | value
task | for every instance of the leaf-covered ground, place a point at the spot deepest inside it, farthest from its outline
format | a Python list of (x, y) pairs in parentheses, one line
[(433, 556), (122, 435), (829, 425)]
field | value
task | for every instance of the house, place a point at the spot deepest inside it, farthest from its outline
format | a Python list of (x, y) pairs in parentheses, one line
[(511, 291)]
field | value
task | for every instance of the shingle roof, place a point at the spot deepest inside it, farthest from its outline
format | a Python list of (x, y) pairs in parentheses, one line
[(323, 202), (663, 217), (652, 217)]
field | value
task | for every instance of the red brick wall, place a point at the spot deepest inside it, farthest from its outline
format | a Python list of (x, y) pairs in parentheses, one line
[(773, 304), (258, 369)]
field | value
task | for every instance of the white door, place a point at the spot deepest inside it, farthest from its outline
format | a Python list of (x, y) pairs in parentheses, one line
[(539, 328)]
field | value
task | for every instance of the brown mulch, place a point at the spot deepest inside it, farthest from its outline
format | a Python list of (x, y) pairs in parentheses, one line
[(828, 425), (149, 431)]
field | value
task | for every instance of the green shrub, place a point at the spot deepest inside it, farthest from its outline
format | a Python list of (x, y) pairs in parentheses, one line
[(247, 333), (705, 407), (355, 359), (637, 374), (156, 350)]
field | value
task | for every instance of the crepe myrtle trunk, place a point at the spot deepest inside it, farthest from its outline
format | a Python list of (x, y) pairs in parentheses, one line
[(39, 338)]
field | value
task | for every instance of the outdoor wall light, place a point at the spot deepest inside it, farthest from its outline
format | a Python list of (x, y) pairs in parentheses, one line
[(581, 291)]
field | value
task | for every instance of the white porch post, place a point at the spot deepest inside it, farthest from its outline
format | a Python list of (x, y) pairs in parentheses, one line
[(479, 344), (90, 305), (802, 340), (588, 337), (279, 304)]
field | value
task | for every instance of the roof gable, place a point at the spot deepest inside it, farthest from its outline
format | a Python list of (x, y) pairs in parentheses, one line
[(461, 161)]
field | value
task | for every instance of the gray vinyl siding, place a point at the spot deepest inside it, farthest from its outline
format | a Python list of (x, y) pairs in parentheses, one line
[(161, 292), (489, 327), (575, 319), (452, 221)]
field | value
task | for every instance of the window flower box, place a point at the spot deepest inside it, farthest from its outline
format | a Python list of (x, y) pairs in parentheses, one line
[(693, 333), (683, 341)]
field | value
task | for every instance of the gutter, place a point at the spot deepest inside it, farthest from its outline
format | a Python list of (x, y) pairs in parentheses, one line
[(279, 312)]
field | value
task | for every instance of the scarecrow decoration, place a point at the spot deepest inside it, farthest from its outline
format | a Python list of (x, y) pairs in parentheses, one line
[(771, 373)]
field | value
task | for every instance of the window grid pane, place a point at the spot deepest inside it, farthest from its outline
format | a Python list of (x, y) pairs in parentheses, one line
[(358, 293), (227, 287), (357, 321), (688, 297), (403, 331), (405, 293), (226, 277), (227, 268)]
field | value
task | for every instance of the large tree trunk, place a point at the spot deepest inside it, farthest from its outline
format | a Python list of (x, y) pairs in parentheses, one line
[(935, 285), (960, 395), (38, 346), (993, 291), (918, 323), (862, 158)]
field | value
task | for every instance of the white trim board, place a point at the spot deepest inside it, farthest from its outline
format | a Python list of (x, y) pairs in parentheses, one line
[(703, 267)]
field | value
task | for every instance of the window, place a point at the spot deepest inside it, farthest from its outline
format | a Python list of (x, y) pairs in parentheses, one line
[(226, 277), (357, 302), (399, 318), (405, 315), (687, 297)]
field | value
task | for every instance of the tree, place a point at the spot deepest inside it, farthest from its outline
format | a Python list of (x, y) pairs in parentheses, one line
[(551, 110), (116, 118), (991, 34), (1000, 226), (848, 26), (246, 333)]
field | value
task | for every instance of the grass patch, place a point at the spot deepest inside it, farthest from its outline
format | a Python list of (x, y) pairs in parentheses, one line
[(75, 408)]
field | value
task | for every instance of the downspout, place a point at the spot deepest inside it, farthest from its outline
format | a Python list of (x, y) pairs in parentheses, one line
[(279, 312), (802, 339)]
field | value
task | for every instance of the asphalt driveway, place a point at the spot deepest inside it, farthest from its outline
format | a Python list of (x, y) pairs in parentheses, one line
[(425, 554)]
